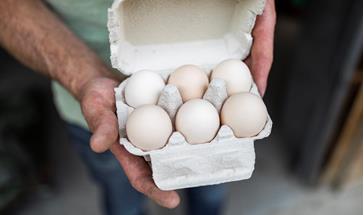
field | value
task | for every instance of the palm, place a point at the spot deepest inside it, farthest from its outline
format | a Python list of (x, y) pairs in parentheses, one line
[(98, 107)]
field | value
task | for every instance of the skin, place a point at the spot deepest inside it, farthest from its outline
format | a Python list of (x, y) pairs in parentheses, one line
[(261, 56), (49, 47)]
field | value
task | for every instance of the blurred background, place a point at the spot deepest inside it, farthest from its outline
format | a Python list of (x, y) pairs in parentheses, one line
[(311, 164)]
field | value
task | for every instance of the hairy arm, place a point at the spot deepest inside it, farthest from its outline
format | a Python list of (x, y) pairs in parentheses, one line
[(38, 39)]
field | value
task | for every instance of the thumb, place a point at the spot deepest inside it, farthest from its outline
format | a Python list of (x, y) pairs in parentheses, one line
[(105, 132)]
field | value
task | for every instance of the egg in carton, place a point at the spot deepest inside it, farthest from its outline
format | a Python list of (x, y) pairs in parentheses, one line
[(158, 35)]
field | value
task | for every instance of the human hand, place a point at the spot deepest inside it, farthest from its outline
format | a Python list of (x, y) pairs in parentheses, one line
[(98, 106), (261, 57), (36, 37)]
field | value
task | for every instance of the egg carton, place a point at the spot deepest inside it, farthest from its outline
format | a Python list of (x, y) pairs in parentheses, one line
[(161, 35), (179, 164)]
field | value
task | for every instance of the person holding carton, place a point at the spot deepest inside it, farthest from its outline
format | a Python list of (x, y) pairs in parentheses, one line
[(67, 41)]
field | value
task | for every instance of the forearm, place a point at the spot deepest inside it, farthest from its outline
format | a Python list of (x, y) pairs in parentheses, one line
[(37, 38)]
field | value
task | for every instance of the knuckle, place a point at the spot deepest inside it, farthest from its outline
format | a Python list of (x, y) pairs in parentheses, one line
[(136, 184), (142, 186), (92, 103)]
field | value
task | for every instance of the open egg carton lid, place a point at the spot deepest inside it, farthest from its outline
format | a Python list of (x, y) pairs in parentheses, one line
[(161, 35)]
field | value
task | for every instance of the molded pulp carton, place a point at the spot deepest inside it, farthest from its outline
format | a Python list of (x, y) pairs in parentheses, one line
[(161, 35)]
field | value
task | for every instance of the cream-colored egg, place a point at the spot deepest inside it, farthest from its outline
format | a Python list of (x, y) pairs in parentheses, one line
[(190, 80), (198, 121), (149, 127), (143, 88), (236, 74), (245, 113)]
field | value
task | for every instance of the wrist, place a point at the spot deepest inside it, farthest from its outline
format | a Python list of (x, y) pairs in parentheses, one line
[(75, 75), (81, 82), (103, 79)]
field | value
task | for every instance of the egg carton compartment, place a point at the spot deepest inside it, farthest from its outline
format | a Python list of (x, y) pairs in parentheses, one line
[(205, 164), (226, 158), (170, 100)]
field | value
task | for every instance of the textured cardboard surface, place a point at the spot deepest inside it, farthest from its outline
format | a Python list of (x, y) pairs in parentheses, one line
[(179, 164), (233, 40)]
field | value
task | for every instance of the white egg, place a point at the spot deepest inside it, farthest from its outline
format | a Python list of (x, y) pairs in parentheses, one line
[(245, 113), (236, 74), (143, 88), (149, 127), (190, 80), (198, 121)]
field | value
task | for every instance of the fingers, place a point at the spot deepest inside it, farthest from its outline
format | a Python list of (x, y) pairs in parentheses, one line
[(102, 122), (98, 107), (262, 50), (105, 133), (168, 199), (140, 176)]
